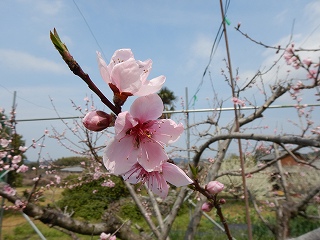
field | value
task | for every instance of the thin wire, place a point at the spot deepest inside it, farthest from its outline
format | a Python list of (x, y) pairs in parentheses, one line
[(26, 100), (89, 28), (307, 38), (214, 48)]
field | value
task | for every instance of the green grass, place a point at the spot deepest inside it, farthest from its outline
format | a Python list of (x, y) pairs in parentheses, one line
[(15, 226)]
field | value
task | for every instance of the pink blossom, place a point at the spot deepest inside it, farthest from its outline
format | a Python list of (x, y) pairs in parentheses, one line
[(157, 180), (312, 73), (4, 142), (104, 236), (97, 120), (23, 168), (207, 207), (214, 187), (127, 76), (307, 61), (22, 149), (16, 159), (108, 183), (140, 136), (58, 179), (238, 101), (9, 190), (18, 203)]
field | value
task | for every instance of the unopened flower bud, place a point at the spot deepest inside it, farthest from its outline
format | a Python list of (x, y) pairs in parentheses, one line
[(207, 207), (222, 201), (214, 187), (97, 120)]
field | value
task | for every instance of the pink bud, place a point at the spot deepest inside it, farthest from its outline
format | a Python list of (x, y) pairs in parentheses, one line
[(214, 187), (97, 120), (206, 207), (307, 61), (222, 201)]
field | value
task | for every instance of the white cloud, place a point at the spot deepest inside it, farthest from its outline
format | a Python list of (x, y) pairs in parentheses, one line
[(46, 7), (312, 11), (281, 17), (24, 61), (201, 48)]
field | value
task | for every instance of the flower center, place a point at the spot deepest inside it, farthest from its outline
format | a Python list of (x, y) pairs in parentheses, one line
[(141, 132)]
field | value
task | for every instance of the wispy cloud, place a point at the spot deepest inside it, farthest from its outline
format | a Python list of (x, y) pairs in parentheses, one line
[(46, 7), (24, 61)]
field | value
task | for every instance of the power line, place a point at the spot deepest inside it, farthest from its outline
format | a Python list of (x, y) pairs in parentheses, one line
[(212, 53), (175, 111), (85, 20)]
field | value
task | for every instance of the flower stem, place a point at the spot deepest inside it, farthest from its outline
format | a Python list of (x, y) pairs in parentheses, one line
[(77, 70)]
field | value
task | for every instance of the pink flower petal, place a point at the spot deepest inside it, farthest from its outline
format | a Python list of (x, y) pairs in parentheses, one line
[(158, 185), (145, 68), (167, 131), (120, 56), (174, 175), (152, 86), (103, 68), (119, 156), (147, 108), (123, 122), (126, 76), (152, 155)]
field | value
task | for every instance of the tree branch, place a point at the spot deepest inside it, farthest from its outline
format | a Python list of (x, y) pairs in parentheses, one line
[(53, 217)]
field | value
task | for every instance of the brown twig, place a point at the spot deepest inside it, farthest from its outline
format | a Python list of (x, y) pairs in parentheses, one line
[(213, 198), (77, 70)]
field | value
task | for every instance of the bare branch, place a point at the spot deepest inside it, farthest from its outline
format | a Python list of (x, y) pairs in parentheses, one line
[(53, 217)]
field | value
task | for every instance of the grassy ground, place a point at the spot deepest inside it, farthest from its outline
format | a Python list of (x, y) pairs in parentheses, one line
[(16, 227)]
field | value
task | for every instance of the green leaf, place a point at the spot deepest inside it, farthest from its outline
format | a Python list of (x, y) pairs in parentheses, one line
[(194, 171), (61, 47)]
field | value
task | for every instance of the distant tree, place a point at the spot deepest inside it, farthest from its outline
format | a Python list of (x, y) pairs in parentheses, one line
[(13, 178), (168, 99), (69, 161), (90, 199)]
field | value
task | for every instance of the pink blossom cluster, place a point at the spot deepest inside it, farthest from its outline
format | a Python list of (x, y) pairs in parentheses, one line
[(213, 187), (108, 236), (238, 101), (137, 152), (294, 60), (18, 205), (9, 190), (291, 58), (12, 163), (108, 183)]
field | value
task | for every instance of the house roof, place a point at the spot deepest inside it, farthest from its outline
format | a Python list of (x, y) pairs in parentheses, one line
[(271, 156)]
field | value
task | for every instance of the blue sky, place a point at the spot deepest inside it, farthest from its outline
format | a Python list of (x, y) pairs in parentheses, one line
[(176, 35)]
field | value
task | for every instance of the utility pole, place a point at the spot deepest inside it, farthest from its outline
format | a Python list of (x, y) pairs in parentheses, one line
[(237, 127), (188, 129)]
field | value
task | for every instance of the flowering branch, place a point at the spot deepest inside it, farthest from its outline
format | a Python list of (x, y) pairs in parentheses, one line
[(211, 191), (77, 70)]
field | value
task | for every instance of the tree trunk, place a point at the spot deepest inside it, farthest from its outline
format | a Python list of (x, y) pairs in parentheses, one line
[(282, 222)]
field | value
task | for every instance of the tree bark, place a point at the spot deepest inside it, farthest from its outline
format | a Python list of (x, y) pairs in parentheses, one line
[(53, 217)]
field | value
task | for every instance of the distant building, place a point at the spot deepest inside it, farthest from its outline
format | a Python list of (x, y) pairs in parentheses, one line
[(286, 159), (74, 169)]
